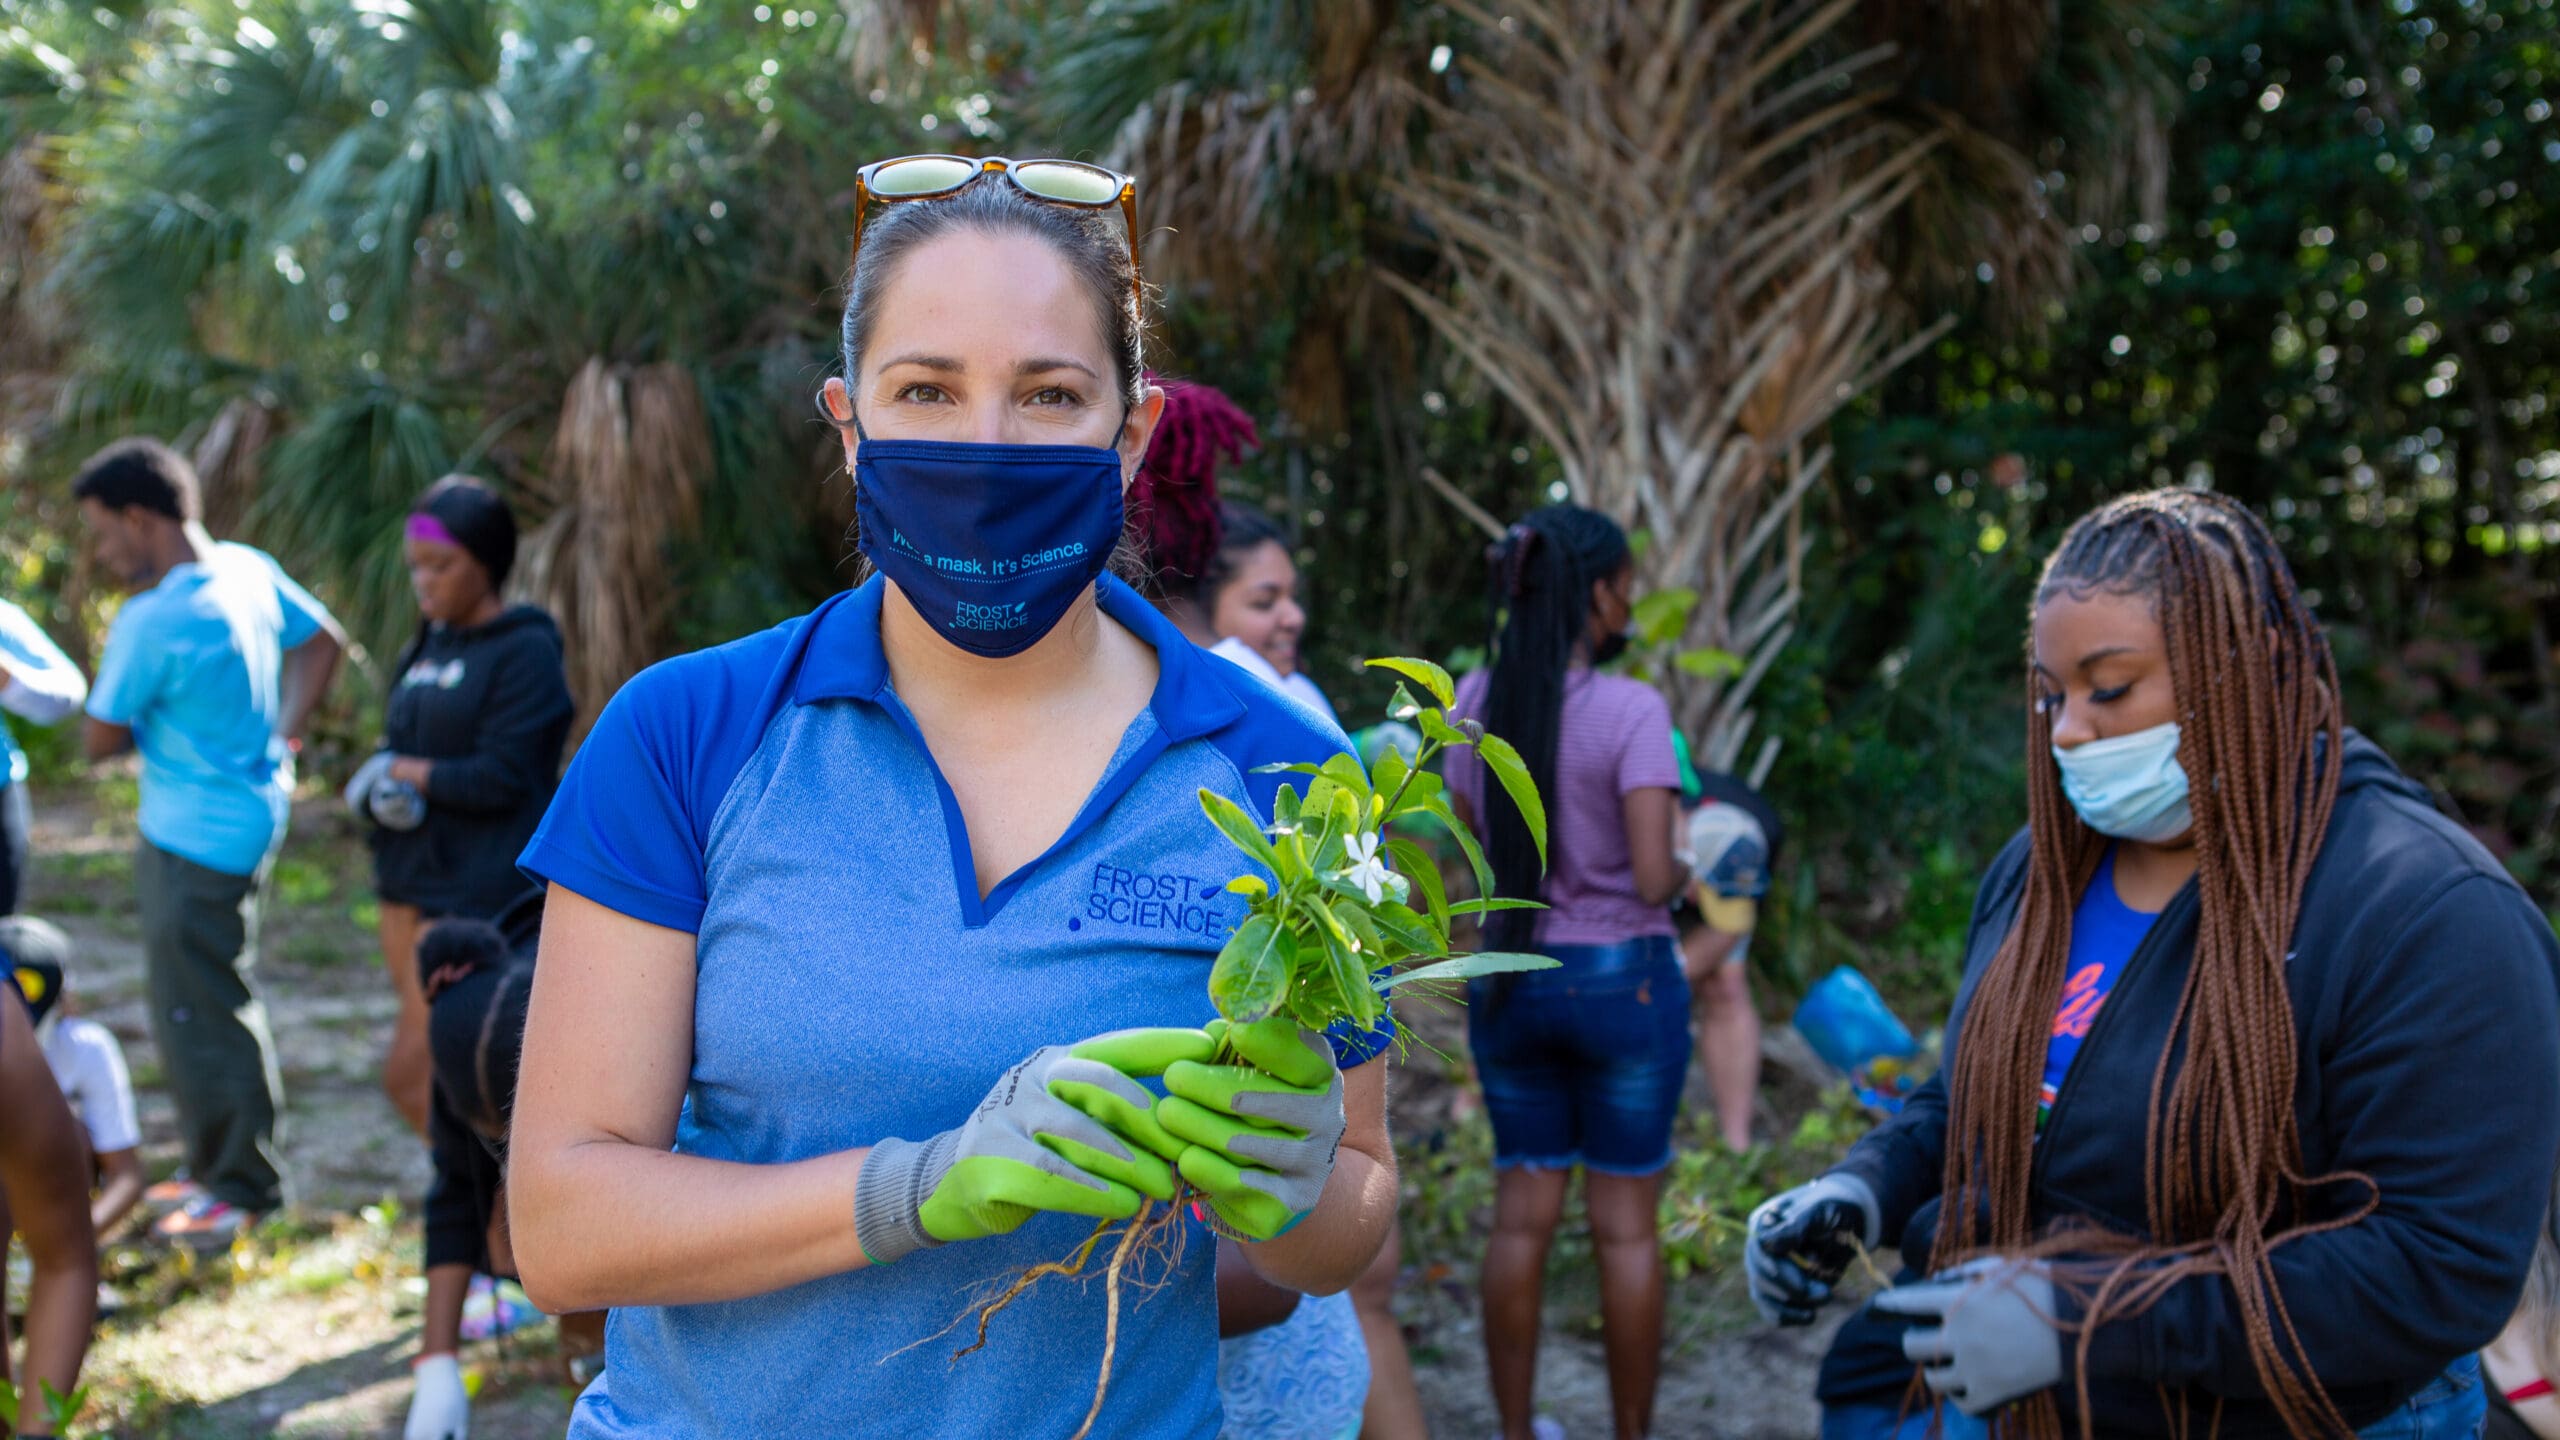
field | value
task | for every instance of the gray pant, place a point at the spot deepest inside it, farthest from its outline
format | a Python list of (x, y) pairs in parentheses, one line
[(200, 939)]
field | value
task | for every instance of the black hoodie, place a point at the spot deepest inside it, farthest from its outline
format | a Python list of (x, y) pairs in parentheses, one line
[(2425, 988), (490, 706)]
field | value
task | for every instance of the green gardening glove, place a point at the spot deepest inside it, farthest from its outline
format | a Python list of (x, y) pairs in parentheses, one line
[(1261, 1135), (1044, 1138)]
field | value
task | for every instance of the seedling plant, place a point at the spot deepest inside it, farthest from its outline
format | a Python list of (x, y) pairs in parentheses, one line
[(1339, 914)]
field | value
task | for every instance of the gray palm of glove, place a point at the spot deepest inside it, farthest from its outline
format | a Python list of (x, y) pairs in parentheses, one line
[(397, 804), (1028, 1147), (1987, 1332), (1801, 1241), (359, 792)]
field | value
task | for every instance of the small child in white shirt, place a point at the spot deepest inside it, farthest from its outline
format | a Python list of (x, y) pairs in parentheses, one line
[(86, 1061)]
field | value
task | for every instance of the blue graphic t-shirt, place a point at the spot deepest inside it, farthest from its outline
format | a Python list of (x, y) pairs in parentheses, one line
[(774, 798), (2105, 932)]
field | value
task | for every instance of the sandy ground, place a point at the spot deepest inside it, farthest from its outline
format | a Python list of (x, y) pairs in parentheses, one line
[(308, 1331)]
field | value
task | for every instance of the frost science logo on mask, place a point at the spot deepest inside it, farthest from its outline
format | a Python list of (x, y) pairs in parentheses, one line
[(991, 617)]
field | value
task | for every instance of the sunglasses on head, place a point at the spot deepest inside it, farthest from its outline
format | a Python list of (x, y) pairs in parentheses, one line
[(1071, 183)]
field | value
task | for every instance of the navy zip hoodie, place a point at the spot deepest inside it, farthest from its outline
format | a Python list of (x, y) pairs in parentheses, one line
[(490, 706), (2425, 988)]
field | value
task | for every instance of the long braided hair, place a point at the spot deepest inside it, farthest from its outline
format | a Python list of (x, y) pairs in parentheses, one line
[(2261, 740), (1543, 571)]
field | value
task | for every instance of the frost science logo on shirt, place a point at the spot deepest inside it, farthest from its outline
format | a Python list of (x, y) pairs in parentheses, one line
[(1159, 902)]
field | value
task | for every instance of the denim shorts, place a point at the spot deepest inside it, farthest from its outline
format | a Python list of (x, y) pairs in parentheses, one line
[(2453, 1406), (1584, 1064)]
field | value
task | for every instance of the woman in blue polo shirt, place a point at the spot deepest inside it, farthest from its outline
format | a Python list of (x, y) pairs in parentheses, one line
[(827, 1035)]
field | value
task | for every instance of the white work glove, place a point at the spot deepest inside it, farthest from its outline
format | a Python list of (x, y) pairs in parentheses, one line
[(1986, 1332), (441, 1408), (1799, 1243), (359, 792)]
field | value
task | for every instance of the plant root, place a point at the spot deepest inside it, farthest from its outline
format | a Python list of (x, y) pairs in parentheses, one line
[(1071, 1266), (1139, 1227)]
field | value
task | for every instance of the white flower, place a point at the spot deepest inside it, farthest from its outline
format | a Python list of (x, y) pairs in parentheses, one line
[(1367, 870)]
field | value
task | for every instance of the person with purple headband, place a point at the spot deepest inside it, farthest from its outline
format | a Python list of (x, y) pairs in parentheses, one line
[(478, 713)]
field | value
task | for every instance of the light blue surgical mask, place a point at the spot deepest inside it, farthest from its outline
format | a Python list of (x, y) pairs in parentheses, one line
[(2131, 786)]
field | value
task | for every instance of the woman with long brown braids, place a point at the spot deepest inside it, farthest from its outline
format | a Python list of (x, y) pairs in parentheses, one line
[(2253, 1082)]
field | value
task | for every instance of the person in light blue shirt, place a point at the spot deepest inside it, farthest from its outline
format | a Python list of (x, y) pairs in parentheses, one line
[(859, 929), (40, 684), (211, 671)]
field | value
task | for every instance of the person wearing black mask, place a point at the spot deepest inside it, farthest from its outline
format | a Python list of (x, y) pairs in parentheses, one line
[(472, 733)]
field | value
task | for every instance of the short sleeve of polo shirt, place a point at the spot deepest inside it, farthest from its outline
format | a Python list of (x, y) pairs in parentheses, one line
[(632, 818)]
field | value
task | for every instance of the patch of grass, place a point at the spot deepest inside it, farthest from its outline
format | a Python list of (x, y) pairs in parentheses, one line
[(319, 949), (119, 794), (302, 884)]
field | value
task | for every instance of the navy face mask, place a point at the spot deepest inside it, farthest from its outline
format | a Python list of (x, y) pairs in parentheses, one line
[(990, 543)]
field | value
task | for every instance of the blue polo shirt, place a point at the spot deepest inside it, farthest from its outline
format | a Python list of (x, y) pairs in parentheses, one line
[(195, 667), (775, 798)]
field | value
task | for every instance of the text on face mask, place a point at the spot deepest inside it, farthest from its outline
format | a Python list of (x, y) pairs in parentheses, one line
[(1041, 559)]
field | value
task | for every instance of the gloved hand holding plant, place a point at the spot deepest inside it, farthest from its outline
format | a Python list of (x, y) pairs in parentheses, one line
[(1339, 914)]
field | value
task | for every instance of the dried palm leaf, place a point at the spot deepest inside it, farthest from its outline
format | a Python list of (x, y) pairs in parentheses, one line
[(623, 477), (1667, 227)]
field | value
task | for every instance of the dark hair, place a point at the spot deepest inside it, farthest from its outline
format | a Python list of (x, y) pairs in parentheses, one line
[(1242, 529), (478, 986), (141, 473), (478, 519), (1543, 571), (1092, 243)]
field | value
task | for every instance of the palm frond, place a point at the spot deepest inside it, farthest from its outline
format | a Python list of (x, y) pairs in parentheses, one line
[(1665, 227), (624, 477)]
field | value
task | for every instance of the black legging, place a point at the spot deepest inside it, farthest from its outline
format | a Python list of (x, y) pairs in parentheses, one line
[(15, 819)]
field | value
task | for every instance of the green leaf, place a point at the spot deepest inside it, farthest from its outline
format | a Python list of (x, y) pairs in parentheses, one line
[(1336, 820), (1361, 1005), (1488, 906), (1468, 967), (1439, 810), (1344, 770), (1661, 615), (1513, 772), (1404, 706), (1406, 934), (1418, 795), (1436, 726), (1708, 663), (1248, 885), (1425, 674), (1252, 973), (63, 1408), (1231, 818), (1415, 864)]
